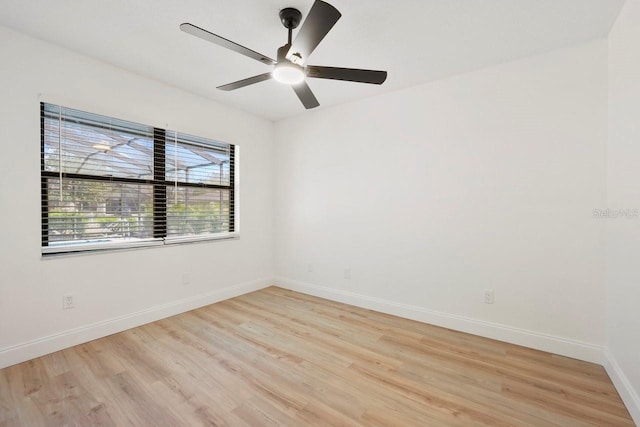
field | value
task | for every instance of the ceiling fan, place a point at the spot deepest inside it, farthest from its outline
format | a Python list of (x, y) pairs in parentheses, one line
[(291, 67)]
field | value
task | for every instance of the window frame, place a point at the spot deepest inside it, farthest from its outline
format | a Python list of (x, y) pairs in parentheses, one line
[(160, 186)]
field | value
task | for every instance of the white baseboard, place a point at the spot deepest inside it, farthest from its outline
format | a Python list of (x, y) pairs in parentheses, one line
[(629, 395), (539, 341), (65, 339)]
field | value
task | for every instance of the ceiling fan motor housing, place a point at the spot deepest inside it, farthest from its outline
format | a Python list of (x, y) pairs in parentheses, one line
[(282, 55), (287, 71)]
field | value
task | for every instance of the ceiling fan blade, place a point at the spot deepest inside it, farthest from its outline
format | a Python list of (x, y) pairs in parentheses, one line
[(321, 18), (348, 74), (221, 41), (245, 82), (307, 97)]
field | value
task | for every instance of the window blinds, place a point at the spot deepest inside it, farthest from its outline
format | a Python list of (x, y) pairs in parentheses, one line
[(108, 182)]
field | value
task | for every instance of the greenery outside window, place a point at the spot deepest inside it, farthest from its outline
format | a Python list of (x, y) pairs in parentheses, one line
[(109, 183)]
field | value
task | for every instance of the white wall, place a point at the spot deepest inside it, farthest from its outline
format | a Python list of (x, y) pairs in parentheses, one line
[(623, 192), (432, 194), (140, 285)]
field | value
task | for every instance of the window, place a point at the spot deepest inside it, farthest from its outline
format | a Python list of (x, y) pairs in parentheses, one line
[(110, 183)]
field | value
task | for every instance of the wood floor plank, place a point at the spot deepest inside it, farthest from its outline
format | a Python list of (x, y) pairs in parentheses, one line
[(277, 357)]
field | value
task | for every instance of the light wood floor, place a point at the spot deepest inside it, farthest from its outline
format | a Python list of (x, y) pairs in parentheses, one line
[(276, 357)]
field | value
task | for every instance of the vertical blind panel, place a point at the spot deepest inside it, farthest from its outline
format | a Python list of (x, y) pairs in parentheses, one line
[(92, 211), (194, 210), (196, 160), (91, 144)]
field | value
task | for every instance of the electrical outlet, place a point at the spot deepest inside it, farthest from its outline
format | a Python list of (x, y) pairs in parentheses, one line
[(186, 279), (67, 302), (347, 273), (488, 296)]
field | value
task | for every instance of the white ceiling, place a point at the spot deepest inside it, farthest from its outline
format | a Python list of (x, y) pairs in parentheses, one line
[(414, 40)]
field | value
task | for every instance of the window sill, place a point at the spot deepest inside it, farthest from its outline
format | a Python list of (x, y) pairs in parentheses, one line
[(51, 252)]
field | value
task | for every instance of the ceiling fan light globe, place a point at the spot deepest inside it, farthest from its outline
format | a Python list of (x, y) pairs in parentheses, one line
[(288, 74)]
